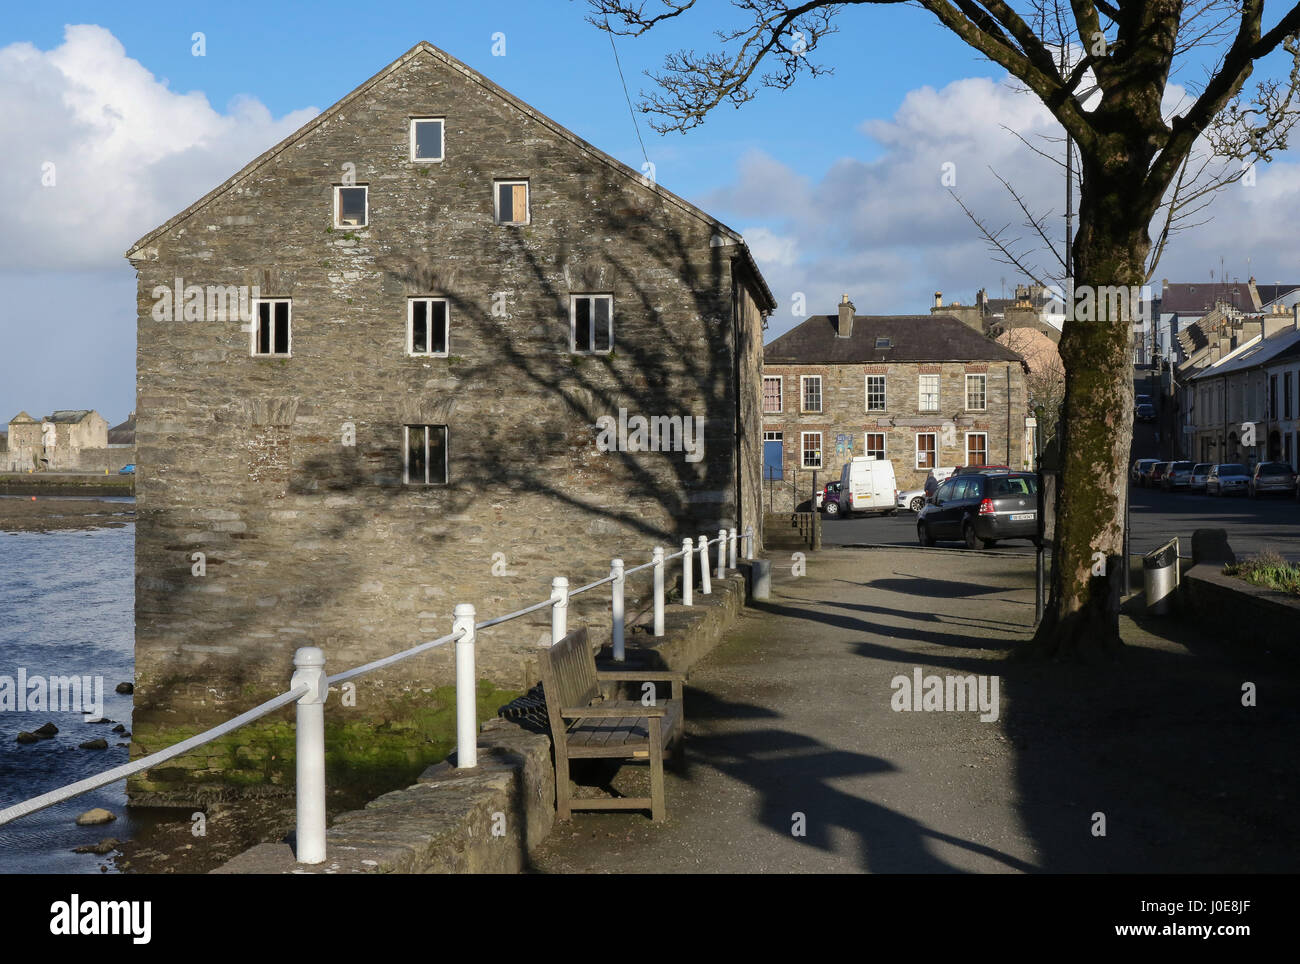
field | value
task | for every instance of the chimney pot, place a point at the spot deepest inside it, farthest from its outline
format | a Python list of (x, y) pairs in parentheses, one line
[(938, 299)]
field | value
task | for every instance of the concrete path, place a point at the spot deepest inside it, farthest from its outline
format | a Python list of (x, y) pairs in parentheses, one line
[(797, 761)]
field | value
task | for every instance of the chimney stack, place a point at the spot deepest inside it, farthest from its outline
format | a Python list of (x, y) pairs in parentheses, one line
[(938, 299), (844, 324), (1295, 316)]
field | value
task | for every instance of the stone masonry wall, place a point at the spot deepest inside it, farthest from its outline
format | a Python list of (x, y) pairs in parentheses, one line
[(307, 540)]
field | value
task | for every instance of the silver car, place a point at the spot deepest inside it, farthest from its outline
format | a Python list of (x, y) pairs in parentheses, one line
[(1226, 478), (1200, 472), (1271, 477)]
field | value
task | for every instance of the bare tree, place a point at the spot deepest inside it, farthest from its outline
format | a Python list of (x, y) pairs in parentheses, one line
[(1130, 156)]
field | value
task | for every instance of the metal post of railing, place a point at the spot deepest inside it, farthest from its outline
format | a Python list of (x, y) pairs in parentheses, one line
[(688, 577), (466, 688), (731, 548), (309, 670), (659, 590), (722, 554), (705, 588), (559, 608), (749, 542), (616, 637)]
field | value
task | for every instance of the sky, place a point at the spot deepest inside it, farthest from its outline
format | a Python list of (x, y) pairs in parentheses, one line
[(835, 184)]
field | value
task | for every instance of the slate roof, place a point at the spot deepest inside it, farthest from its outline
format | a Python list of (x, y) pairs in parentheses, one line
[(1285, 344), (1195, 299), (915, 338), (68, 416), (22, 418), (123, 434)]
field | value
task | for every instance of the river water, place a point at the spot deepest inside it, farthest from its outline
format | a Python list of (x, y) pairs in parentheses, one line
[(66, 608)]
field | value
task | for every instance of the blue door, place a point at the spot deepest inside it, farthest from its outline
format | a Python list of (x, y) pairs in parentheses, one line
[(773, 461)]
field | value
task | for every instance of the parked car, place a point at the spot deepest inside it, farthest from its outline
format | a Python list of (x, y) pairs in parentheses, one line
[(127, 469), (980, 469), (1200, 471), (1271, 477), (1144, 479), (1146, 412), (913, 499), (1140, 400), (1156, 476), (1140, 467), (867, 485), (1225, 478), (1177, 476), (981, 510), (828, 499)]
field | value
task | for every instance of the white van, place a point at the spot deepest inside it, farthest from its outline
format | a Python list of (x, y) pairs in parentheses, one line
[(868, 485)]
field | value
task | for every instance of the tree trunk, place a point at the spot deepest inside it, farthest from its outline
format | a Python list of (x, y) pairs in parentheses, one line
[(1081, 620)]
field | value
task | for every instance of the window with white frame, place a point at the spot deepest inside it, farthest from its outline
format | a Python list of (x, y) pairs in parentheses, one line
[(875, 393), (976, 392), (272, 332), (427, 139), (772, 393), (927, 394), (926, 446), (591, 324), (351, 205), (511, 201), (875, 447), (426, 326), (810, 390), (425, 455), (977, 448), (811, 445)]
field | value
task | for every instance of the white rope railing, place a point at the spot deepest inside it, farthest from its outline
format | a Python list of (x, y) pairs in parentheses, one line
[(309, 686)]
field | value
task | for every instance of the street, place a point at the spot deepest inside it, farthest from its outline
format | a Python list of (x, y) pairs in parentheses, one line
[(1271, 522)]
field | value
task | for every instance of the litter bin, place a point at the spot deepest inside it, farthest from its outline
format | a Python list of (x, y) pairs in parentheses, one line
[(1160, 577)]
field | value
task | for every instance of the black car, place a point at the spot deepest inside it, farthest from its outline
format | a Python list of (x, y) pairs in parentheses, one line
[(981, 510)]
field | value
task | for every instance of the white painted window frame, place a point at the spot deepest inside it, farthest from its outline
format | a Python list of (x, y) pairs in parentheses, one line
[(338, 206), (884, 444), (966, 447), (803, 450), (920, 392), (573, 324), (442, 140), (866, 389), (780, 393), (984, 393), (406, 454), (410, 327), (257, 316), (935, 451), (501, 182), (803, 394)]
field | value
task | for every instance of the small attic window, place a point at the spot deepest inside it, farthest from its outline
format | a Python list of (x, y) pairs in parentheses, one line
[(884, 342), (426, 139), (511, 202), (351, 206)]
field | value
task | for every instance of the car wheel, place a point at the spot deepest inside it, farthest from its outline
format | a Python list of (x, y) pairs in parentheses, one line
[(968, 533), (831, 508), (923, 534), (917, 504)]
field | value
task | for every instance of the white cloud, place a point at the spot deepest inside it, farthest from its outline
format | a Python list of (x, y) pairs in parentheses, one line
[(128, 152), (887, 231)]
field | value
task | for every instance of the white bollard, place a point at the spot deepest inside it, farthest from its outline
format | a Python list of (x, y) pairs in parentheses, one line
[(616, 635), (705, 588), (722, 554), (688, 577), (309, 668), (659, 590), (749, 543), (559, 608), (466, 689), (731, 548)]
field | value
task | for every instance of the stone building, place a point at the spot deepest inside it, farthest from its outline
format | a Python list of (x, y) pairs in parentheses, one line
[(374, 367), (59, 442), (920, 390)]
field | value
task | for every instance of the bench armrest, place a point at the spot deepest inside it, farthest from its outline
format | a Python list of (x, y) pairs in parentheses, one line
[(609, 712), (639, 675)]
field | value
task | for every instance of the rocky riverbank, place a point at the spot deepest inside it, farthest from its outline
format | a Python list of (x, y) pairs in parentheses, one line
[(48, 514)]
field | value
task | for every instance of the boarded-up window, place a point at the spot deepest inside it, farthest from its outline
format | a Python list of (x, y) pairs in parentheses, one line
[(427, 326), (925, 445), (771, 393), (591, 324), (977, 448), (272, 334), (875, 445), (426, 455), (512, 202)]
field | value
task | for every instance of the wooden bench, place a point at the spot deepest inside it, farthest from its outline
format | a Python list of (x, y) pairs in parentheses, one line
[(585, 725)]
